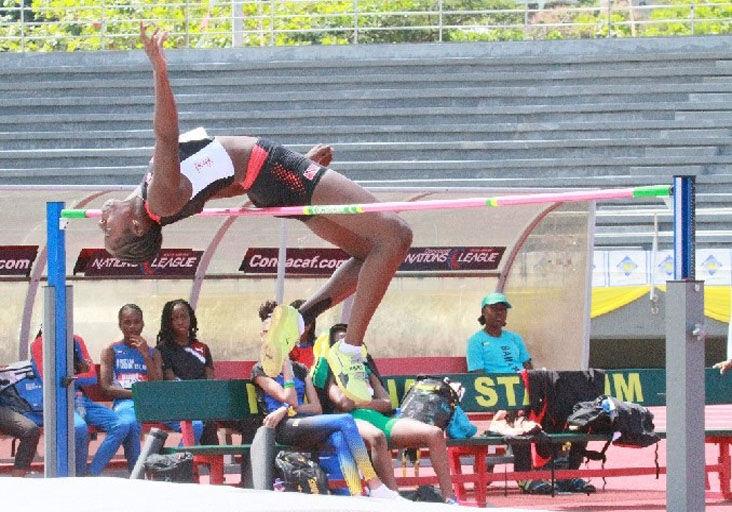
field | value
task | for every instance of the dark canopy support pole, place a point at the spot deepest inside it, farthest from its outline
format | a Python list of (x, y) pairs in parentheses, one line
[(684, 363)]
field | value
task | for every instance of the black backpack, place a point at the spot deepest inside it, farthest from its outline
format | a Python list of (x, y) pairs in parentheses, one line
[(300, 474), (176, 467), (21, 389), (633, 422), (425, 493), (431, 400)]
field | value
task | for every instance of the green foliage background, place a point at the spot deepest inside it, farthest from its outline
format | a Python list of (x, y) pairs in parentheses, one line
[(70, 25)]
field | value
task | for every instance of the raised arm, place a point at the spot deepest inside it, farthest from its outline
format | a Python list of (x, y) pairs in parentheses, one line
[(272, 388), (167, 192)]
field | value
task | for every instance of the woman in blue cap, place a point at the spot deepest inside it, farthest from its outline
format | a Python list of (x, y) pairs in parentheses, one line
[(494, 349)]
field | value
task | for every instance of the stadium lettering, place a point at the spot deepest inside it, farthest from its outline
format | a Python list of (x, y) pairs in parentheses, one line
[(102, 263), (627, 388), (488, 391), (259, 261), (252, 398), (391, 388), (509, 383), (15, 264), (486, 396), (427, 257), (479, 257), (174, 262)]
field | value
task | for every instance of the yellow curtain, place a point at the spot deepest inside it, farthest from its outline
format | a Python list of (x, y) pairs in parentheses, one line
[(717, 299), (717, 302), (610, 298)]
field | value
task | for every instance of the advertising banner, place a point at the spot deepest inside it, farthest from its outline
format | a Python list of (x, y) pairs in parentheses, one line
[(713, 266), (627, 268), (17, 260), (169, 262), (323, 261)]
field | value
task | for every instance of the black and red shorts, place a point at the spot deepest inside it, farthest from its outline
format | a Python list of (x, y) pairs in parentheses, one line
[(285, 178)]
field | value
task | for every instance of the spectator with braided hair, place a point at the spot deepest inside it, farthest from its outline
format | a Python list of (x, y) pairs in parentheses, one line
[(184, 357)]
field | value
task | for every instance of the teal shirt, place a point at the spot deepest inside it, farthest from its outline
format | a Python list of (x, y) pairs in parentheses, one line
[(505, 354)]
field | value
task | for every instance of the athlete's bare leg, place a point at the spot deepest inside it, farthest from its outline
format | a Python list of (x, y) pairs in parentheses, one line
[(377, 242)]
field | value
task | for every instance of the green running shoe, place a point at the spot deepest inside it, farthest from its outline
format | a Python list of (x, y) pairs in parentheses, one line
[(350, 373), (284, 332)]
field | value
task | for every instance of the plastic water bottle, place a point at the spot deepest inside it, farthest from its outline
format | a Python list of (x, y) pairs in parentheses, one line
[(279, 485), (80, 408)]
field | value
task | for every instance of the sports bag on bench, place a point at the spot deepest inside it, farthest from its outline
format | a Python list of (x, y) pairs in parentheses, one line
[(21, 389), (300, 474), (632, 422), (431, 400), (176, 467)]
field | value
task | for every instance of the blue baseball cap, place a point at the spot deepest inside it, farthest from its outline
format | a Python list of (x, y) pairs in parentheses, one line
[(494, 298)]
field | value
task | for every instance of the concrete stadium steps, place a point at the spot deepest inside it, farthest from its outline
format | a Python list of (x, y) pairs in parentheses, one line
[(220, 120), (439, 132), (601, 113), (691, 147), (101, 87), (617, 220), (317, 98), (196, 68), (523, 99), (572, 174), (482, 164)]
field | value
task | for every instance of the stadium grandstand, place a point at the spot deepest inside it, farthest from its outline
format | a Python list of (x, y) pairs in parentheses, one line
[(550, 96), (550, 114)]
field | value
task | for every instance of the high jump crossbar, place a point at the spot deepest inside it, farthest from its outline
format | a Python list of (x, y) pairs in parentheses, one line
[(436, 204), (56, 222)]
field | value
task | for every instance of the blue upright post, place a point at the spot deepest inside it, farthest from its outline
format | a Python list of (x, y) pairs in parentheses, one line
[(57, 281), (684, 362), (684, 227)]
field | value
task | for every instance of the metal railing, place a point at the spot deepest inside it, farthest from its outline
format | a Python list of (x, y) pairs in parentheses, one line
[(52, 25)]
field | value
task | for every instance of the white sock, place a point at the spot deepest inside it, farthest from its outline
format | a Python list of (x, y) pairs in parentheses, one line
[(383, 491), (351, 350), (300, 323)]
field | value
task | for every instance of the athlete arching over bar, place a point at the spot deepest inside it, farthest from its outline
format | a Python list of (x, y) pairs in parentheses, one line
[(186, 170)]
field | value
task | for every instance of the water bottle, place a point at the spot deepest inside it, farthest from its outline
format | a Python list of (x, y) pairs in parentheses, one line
[(279, 485), (80, 408)]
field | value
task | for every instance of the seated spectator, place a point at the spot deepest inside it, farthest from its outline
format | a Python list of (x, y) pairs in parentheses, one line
[(125, 362), (494, 349), (184, 357), (302, 352), (723, 366), (293, 409), (21, 415), (376, 415), (86, 411), (16, 418)]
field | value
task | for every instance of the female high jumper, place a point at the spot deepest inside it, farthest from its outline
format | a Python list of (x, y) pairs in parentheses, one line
[(186, 170)]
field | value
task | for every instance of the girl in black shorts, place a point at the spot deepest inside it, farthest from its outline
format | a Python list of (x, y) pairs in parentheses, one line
[(187, 170)]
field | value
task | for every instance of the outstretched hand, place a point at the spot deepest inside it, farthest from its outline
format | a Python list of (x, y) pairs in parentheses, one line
[(153, 45), (320, 154), (723, 366)]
